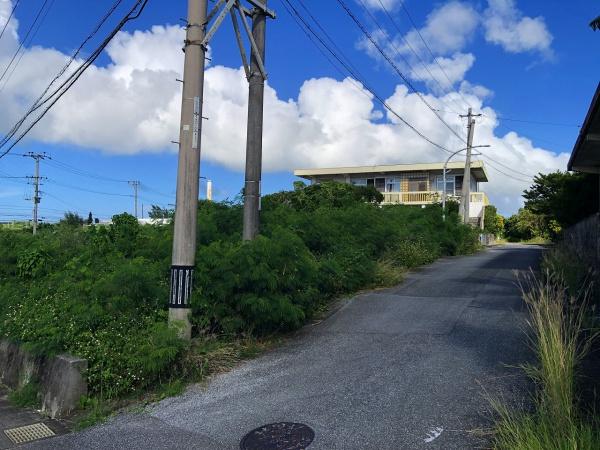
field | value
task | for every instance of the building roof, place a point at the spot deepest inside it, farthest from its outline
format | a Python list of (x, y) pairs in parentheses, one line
[(477, 169), (586, 153)]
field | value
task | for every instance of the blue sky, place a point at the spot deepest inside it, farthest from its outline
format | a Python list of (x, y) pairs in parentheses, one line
[(547, 77)]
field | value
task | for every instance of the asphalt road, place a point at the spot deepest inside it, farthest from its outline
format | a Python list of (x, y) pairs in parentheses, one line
[(404, 368)]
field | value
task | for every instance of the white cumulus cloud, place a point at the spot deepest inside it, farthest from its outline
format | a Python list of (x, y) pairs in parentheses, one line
[(506, 26)]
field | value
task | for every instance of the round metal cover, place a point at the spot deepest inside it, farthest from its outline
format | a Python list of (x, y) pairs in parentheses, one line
[(278, 436)]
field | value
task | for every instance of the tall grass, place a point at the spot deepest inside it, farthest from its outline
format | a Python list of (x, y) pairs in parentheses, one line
[(556, 324)]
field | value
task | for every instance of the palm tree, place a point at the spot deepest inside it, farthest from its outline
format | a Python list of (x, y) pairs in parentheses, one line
[(595, 24)]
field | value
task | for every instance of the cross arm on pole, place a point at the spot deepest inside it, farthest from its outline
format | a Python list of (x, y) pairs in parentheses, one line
[(215, 26), (259, 61), (240, 43), (261, 6)]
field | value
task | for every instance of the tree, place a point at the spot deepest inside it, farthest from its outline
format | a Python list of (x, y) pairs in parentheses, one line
[(72, 219), (156, 212), (493, 223), (524, 225), (90, 219), (562, 199), (595, 24)]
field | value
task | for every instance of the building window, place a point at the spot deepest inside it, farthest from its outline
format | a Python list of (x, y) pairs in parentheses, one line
[(392, 185), (377, 183), (417, 184), (439, 184), (359, 181)]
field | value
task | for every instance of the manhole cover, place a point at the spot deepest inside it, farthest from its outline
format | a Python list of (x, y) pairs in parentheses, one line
[(29, 433), (279, 436)]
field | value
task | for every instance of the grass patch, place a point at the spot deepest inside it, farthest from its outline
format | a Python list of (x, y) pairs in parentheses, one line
[(206, 356), (28, 396), (556, 323)]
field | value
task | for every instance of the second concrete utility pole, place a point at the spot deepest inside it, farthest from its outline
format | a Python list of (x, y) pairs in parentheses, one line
[(252, 185)]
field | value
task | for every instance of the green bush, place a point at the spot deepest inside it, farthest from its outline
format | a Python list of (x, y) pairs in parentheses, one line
[(101, 292)]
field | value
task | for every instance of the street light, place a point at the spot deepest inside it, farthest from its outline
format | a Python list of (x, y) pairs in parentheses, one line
[(444, 176)]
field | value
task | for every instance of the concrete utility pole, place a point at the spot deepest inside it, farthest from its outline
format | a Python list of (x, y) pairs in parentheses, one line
[(135, 185), (188, 171), (196, 43), (464, 207), (254, 135), (36, 186)]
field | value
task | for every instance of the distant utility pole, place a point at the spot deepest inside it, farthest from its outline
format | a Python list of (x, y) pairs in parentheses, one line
[(135, 184), (36, 185), (256, 93), (465, 204), (195, 47)]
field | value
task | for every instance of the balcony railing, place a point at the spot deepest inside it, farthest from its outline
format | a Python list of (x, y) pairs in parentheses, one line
[(427, 197)]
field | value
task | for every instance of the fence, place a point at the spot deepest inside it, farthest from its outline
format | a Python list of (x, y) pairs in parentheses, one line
[(584, 240)]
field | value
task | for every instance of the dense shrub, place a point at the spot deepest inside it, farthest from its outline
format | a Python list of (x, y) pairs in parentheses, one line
[(101, 292)]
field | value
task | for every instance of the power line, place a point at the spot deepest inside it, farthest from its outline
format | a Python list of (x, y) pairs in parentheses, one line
[(537, 122), (429, 49), (423, 64), (12, 12), (506, 174), (37, 17), (328, 36), (83, 173), (310, 32), (68, 186), (360, 25), (133, 14), (507, 167), (26, 44)]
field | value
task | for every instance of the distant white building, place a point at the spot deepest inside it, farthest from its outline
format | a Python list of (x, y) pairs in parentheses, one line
[(411, 184)]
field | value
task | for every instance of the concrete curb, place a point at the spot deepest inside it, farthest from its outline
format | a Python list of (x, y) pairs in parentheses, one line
[(62, 378)]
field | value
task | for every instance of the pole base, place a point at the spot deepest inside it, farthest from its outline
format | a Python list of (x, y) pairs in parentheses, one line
[(181, 318)]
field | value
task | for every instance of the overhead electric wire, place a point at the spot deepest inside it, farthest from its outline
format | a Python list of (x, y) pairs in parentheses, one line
[(81, 172), (505, 166), (506, 174), (308, 30), (429, 49), (414, 52), (133, 13), (147, 188), (26, 44), (12, 12), (328, 36), (373, 41), (37, 17), (537, 122), (88, 190)]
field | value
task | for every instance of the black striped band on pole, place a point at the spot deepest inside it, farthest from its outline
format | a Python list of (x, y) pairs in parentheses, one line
[(181, 286)]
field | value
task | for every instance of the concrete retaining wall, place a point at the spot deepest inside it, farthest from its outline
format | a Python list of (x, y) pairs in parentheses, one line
[(62, 378)]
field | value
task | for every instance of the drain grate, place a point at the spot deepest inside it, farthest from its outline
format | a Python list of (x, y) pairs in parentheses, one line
[(279, 436), (29, 433)]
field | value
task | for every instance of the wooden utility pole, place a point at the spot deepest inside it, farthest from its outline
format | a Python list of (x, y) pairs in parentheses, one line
[(188, 171), (256, 90)]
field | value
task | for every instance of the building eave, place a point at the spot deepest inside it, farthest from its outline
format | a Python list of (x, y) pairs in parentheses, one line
[(477, 167), (585, 156)]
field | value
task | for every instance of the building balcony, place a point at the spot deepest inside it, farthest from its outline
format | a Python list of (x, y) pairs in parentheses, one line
[(428, 197)]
